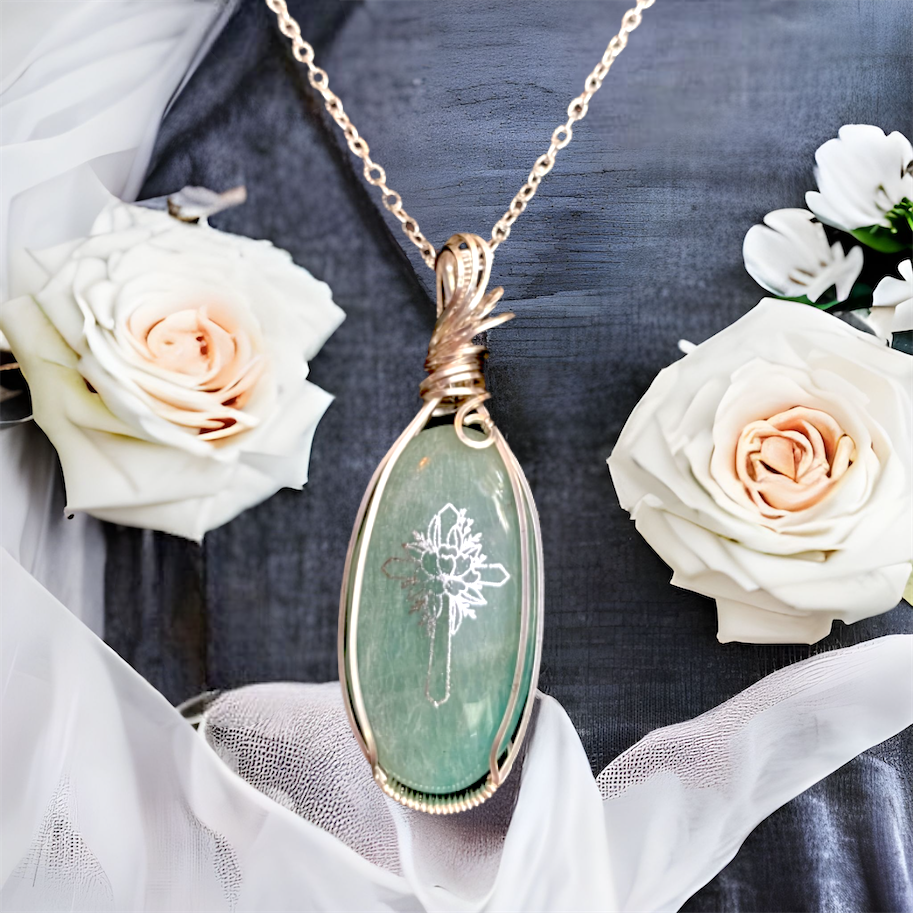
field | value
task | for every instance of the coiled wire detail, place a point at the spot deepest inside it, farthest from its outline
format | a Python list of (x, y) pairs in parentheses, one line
[(456, 359)]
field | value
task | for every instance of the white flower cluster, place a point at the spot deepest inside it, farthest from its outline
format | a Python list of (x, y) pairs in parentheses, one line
[(865, 188)]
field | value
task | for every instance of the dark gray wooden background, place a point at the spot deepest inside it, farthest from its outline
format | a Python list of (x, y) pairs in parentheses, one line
[(708, 120)]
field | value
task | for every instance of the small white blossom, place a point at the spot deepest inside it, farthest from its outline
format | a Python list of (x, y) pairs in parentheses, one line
[(892, 303), (789, 255), (861, 175)]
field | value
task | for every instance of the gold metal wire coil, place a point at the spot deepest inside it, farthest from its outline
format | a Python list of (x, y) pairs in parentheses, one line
[(456, 362), (435, 805)]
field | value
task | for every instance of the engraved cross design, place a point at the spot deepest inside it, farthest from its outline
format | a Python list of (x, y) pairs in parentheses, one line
[(445, 573)]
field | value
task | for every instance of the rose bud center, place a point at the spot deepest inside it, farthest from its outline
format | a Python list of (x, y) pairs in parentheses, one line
[(199, 365), (793, 459)]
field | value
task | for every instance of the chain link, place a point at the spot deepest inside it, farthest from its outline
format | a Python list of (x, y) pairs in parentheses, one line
[(377, 177)]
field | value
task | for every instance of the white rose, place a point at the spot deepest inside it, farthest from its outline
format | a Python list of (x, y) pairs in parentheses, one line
[(167, 363), (789, 255), (771, 469), (892, 303), (862, 175)]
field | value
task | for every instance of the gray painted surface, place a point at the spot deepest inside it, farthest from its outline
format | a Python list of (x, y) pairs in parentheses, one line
[(709, 119)]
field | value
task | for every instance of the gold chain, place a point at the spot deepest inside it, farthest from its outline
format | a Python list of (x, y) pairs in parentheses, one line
[(375, 174)]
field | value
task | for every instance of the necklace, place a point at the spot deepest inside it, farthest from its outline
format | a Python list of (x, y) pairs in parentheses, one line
[(440, 627)]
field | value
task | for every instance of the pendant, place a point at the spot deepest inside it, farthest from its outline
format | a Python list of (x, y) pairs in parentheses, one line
[(441, 609)]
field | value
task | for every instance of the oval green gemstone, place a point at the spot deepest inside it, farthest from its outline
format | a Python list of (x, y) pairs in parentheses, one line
[(438, 628)]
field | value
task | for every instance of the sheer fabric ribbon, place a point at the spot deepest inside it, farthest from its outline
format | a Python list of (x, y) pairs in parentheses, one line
[(111, 801)]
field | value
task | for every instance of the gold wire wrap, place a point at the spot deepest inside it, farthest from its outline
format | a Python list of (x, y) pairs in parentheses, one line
[(456, 362)]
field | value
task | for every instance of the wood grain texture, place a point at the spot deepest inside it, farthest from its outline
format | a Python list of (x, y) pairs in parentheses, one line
[(708, 120)]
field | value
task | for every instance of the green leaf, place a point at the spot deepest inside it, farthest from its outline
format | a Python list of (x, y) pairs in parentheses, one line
[(884, 240), (860, 297), (897, 237)]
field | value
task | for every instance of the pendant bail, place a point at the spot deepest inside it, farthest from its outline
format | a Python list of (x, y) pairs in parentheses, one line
[(455, 362)]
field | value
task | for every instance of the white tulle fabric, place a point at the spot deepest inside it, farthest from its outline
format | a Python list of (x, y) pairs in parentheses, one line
[(110, 801), (66, 555), (80, 110)]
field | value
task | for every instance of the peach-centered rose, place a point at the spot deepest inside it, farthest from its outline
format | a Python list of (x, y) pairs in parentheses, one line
[(167, 363), (772, 469), (198, 364), (791, 460)]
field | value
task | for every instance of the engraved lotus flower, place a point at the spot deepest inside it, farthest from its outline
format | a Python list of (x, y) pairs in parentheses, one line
[(445, 569), (447, 572), (446, 560)]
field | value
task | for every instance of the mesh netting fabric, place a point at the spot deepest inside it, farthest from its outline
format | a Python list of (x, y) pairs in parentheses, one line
[(707, 751), (702, 775), (59, 870), (293, 743)]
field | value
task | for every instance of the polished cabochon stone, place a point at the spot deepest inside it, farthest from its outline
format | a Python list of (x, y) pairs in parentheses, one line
[(439, 620)]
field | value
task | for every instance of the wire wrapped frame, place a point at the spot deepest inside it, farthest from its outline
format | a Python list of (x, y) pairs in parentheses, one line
[(455, 386)]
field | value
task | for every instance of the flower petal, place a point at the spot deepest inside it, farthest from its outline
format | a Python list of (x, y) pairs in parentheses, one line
[(861, 174)]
